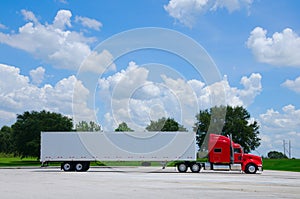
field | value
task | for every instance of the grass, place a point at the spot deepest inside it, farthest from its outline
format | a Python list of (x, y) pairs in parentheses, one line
[(17, 161), (268, 164), (11, 161), (282, 164)]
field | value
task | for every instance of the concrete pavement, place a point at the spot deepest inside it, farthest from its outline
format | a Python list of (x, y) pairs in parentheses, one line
[(145, 182)]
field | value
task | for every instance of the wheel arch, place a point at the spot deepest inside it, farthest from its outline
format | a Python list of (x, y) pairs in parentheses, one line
[(247, 162)]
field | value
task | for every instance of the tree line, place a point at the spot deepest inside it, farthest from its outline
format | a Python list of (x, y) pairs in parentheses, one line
[(23, 137)]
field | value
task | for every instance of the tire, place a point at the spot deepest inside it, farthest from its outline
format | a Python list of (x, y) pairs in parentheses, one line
[(79, 166), (68, 166), (251, 169), (86, 166), (195, 167), (182, 167)]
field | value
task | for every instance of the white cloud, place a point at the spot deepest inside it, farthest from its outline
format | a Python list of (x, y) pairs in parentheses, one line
[(127, 96), (289, 119), (12, 72), (37, 75), (232, 5), (252, 87), (62, 19), (2, 26), (277, 126), (99, 62), (186, 11), (131, 96), (124, 83), (233, 95), (53, 43), (29, 16), (63, 1), (88, 22), (17, 95), (293, 85), (282, 49)]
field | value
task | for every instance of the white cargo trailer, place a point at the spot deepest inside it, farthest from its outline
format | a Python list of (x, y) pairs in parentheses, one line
[(75, 150)]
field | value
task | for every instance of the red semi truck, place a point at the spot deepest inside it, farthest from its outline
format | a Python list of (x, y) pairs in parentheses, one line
[(224, 154), (75, 150)]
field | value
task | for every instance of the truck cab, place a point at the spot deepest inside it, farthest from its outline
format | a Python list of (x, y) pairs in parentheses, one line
[(224, 154)]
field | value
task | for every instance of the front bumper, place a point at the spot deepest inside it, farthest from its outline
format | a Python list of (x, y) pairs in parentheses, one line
[(260, 169)]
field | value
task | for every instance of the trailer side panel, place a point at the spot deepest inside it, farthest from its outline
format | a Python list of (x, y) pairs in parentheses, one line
[(118, 146)]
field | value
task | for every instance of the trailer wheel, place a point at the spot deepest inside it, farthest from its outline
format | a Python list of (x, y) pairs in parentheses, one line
[(79, 166), (195, 167), (251, 169), (68, 166), (86, 166), (182, 167)]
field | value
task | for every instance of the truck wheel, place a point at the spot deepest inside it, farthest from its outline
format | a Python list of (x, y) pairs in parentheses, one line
[(79, 166), (195, 167), (251, 169), (182, 167), (86, 166), (67, 166)]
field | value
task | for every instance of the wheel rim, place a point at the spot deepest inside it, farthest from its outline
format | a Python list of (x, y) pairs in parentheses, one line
[(182, 167), (67, 167), (195, 167), (251, 168), (79, 167)]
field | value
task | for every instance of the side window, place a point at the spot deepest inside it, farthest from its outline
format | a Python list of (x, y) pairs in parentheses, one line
[(217, 150), (237, 150)]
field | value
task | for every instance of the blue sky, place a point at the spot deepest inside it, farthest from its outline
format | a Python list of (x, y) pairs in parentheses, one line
[(254, 44)]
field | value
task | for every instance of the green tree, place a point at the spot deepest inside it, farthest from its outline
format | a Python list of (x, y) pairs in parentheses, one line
[(235, 122), (6, 145), (209, 121), (28, 127), (182, 128), (276, 155), (165, 124), (123, 127), (85, 126)]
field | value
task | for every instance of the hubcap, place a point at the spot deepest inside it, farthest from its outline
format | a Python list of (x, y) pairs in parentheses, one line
[(79, 167), (195, 167), (182, 167), (251, 169), (67, 166)]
